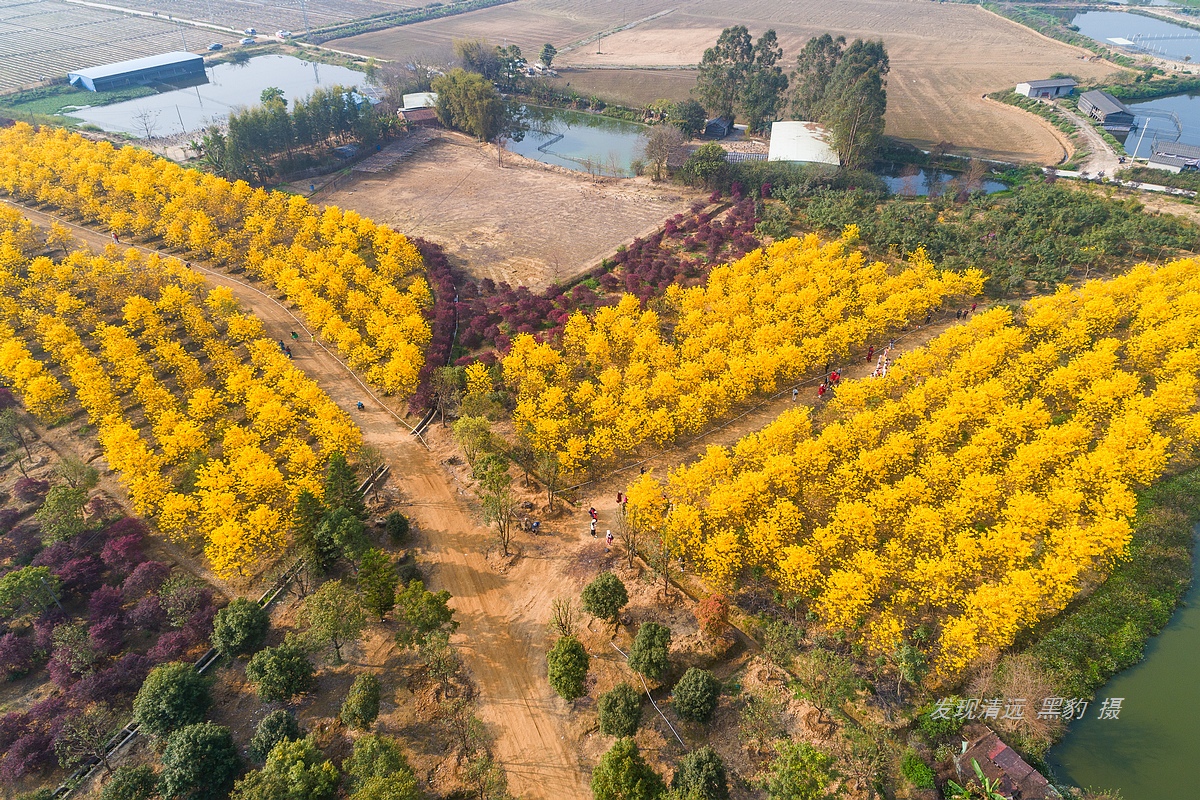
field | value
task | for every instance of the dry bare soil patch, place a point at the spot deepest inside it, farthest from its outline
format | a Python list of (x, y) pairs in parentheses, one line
[(944, 56), (522, 223)]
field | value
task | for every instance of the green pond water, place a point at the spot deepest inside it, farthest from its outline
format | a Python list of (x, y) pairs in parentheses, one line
[(1152, 751)]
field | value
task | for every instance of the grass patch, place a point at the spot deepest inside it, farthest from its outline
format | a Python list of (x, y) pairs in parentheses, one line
[(52, 100), (1180, 180)]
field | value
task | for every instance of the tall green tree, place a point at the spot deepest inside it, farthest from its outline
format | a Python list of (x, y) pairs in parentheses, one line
[(549, 51), (61, 513), (422, 613), (341, 487), (567, 667), (762, 91), (469, 102), (499, 499), (855, 103), (361, 706), (623, 774), (377, 581), (700, 775), (604, 597), (172, 696), (723, 71), (199, 763), (799, 772), (333, 615), (814, 68), (689, 116), (280, 673), (295, 770), (649, 654)]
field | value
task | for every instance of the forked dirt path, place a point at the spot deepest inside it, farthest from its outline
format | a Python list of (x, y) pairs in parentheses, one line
[(501, 617)]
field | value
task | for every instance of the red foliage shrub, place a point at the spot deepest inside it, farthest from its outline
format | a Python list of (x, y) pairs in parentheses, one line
[(30, 489), (107, 636), (147, 614), (170, 647), (13, 726), (123, 554), (32, 754), (712, 614), (80, 575), (8, 518), (105, 602), (147, 577), (16, 655)]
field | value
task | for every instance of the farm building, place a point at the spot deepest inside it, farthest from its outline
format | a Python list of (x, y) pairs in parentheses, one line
[(1175, 157), (718, 128), (999, 762), (801, 142), (420, 117), (1051, 87), (138, 72), (1111, 112), (419, 100)]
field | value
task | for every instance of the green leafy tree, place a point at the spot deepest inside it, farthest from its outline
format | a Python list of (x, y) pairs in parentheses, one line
[(374, 757), (73, 647), (474, 435), (623, 774), (650, 654), (498, 498), (377, 581), (172, 696), (486, 777), (479, 56), (620, 711), (61, 513), (695, 695), (240, 627), (549, 51), (83, 737), (272, 94), (814, 68), (333, 616), (397, 786), (295, 770), (361, 706), (307, 515), (762, 93), (78, 473), (280, 673), (199, 763), (130, 783), (396, 525), (604, 598), (799, 772), (422, 613), (826, 678), (341, 533), (706, 164), (278, 726), (855, 103), (469, 102), (567, 664), (689, 116), (700, 775), (341, 487), (27, 588), (723, 71)]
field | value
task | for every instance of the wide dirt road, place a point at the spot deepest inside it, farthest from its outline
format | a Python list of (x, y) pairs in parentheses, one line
[(501, 632)]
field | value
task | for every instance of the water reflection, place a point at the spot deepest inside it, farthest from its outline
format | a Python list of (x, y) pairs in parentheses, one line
[(189, 108)]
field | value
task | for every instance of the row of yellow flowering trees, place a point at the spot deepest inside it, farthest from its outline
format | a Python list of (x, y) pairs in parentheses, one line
[(975, 490), (620, 379), (212, 429), (360, 285)]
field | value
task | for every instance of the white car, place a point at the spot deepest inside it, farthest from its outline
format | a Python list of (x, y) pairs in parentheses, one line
[(283, 34), (250, 32), (247, 40)]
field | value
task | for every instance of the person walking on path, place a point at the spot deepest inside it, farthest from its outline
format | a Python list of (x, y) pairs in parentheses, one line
[(116, 239), (795, 394), (593, 529), (870, 353), (608, 540), (592, 513)]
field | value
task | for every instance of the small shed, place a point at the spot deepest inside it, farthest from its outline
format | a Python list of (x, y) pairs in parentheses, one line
[(718, 128), (419, 100), (1111, 112), (1175, 157), (138, 71), (1051, 87), (801, 142), (999, 762), (420, 117)]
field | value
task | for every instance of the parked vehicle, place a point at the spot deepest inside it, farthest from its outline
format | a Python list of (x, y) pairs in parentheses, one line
[(215, 46), (283, 34), (250, 32), (247, 40)]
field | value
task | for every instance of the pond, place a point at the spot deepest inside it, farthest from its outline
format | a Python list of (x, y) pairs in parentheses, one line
[(1146, 34), (1151, 751), (909, 181), (1152, 126), (580, 141), (229, 86)]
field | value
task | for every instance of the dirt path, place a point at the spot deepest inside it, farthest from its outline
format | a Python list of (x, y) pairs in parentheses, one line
[(502, 633), (1103, 159)]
